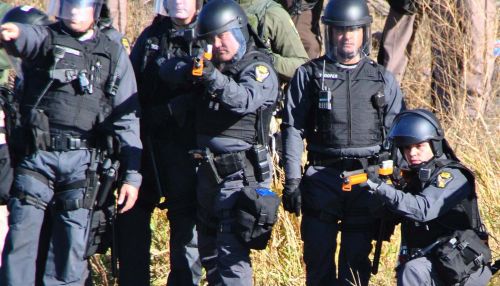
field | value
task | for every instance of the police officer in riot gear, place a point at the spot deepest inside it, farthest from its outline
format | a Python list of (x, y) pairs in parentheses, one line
[(342, 104), (160, 58), (240, 86), (80, 87), (438, 198)]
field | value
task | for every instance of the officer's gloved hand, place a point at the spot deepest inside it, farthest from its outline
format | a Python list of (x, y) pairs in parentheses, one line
[(175, 71), (208, 71), (291, 198), (374, 180)]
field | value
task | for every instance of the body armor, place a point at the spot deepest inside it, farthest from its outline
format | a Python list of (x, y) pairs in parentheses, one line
[(348, 117), (218, 121), (83, 81)]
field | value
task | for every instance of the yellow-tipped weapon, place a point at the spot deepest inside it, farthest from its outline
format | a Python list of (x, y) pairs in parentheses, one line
[(198, 61), (356, 177)]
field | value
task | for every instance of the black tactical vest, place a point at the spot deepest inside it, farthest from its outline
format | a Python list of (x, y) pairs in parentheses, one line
[(352, 120), (214, 120), (163, 42), (67, 103), (460, 217)]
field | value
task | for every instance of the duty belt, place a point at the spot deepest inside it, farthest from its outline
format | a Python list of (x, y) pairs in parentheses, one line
[(340, 163), (67, 142)]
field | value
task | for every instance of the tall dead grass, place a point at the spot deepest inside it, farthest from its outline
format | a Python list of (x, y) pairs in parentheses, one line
[(475, 139)]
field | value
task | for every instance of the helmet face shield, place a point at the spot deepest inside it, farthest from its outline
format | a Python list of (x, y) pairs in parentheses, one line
[(180, 9), (416, 126), (218, 16), (75, 10), (346, 43), (342, 16), (159, 8)]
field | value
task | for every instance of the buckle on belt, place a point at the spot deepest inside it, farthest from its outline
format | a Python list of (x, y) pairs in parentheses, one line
[(74, 143), (62, 142)]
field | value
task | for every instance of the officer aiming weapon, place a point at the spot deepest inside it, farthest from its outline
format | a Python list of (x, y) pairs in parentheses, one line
[(198, 61), (356, 177)]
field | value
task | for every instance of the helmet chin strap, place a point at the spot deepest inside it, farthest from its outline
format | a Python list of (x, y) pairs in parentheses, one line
[(424, 169)]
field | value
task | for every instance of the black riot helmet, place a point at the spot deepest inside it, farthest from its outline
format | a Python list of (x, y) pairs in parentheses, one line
[(342, 15), (26, 15), (416, 126), (218, 16)]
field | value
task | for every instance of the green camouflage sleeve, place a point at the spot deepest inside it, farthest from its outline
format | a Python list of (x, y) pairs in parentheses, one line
[(4, 62), (284, 40)]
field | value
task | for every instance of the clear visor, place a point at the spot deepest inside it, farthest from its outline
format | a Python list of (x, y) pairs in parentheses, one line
[(347, 43), (180, 9), (75, 10), (159, 9)]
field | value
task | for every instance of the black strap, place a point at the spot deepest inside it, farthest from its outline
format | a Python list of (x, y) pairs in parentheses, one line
[(72, 186), (31, 200), (68, 205), (40, 177)]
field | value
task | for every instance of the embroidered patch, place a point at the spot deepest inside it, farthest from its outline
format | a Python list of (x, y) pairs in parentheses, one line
[(261, 73), (443, 179)]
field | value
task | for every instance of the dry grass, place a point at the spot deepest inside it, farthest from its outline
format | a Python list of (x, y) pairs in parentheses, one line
[(476, 141)]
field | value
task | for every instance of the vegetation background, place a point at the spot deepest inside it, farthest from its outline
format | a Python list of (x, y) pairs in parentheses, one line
[(475, 139)]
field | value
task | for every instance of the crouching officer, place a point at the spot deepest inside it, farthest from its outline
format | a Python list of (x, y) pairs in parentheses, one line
[(78, 83), (231, 117), (160, 59), (342, 104), (442, 234)]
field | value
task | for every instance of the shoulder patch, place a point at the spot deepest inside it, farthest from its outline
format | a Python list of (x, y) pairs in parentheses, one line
[(126, 43), (261, 73), (443, 179)]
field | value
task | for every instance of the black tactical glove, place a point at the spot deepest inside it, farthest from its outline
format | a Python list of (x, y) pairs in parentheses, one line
[(291, 198), (208, 70), (373, 178)]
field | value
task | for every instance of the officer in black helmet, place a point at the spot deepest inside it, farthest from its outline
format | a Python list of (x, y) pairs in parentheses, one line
[(438, 199), (240, 87), (79, 87), (342, 104), (162, 61)]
